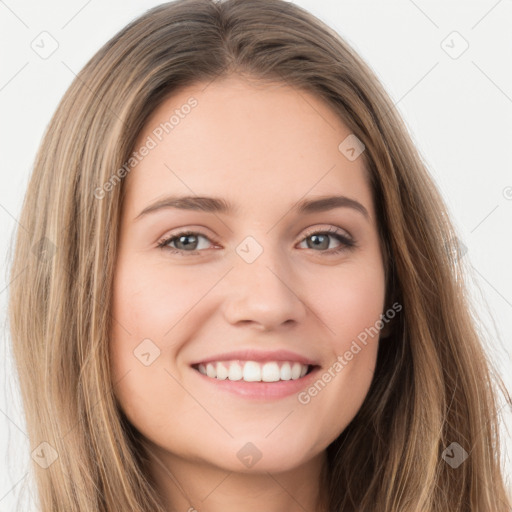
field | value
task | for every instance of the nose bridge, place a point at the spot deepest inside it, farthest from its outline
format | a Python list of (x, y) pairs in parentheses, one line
[(260, 287)]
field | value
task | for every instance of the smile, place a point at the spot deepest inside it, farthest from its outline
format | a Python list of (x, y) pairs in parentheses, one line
[(253, 371)]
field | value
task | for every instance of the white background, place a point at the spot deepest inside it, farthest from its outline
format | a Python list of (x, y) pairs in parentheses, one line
[(458, 110)]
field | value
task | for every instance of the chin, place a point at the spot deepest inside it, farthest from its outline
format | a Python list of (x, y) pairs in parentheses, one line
[(262, 456)]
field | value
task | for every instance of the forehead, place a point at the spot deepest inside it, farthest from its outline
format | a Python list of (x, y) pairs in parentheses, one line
[(256, 144)]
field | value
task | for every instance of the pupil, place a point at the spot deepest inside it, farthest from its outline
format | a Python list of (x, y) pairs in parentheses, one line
[(315, 239), (182, 240)]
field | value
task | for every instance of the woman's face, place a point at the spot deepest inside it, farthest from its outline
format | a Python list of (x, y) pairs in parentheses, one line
[(272, 279)]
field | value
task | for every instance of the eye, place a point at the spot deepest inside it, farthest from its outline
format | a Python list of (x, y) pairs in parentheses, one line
[(321, 240), (190, 242), (186, 241)]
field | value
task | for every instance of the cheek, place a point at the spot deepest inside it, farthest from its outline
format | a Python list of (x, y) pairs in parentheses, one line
[(351, 303), (149, 326), (137, 346), (350, 306), (147, 303)]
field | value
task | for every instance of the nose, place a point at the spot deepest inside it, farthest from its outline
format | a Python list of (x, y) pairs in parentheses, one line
[(263, 293)]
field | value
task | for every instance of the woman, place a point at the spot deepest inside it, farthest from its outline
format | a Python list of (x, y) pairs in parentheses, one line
[(245, 292)]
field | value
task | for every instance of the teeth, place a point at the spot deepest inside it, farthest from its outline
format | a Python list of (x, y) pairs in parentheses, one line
[(286, 371), (235, 371), (222, 372), (297, 371), (210, 370), (252, 371), (270, 372)]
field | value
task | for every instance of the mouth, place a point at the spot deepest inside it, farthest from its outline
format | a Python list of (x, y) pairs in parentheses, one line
[(255, 374), (254, 371)]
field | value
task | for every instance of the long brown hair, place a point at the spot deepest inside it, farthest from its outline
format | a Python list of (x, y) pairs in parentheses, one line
[(433, 384)]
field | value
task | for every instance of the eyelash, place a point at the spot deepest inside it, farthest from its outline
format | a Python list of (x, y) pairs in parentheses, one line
[(346, 243)]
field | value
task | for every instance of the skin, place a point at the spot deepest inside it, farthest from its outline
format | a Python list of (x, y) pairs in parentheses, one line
[(262, 147)]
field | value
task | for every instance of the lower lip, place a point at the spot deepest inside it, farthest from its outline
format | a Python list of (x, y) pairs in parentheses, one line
[(261, 390)]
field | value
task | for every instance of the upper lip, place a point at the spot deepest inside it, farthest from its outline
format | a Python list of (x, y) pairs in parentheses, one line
[(257, 355)]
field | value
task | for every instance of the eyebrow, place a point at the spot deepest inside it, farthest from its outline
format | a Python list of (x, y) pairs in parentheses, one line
[(219, 205)]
